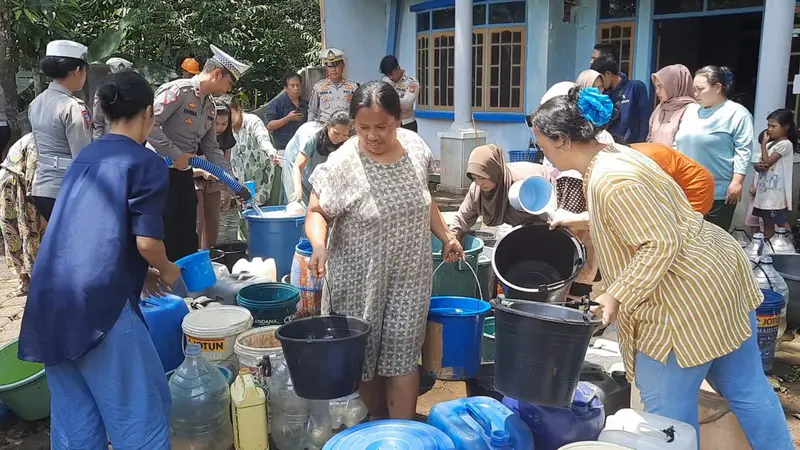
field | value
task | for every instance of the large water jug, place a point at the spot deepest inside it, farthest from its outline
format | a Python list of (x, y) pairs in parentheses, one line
[(200, 418), (249, 412), (757, 248), (635, 429), (347, 411), (769, 278), (164, 316), (481, 423), (741, 237), (296, 423), (554, 427), (782, 242)]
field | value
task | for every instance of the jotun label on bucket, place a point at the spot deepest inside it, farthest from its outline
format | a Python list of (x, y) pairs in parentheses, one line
[(208, 345), (767, 337)]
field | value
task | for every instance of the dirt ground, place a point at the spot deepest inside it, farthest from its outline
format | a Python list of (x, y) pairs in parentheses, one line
[(19, 435)]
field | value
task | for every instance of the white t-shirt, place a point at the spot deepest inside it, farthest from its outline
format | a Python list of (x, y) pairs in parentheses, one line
[(774, 187)]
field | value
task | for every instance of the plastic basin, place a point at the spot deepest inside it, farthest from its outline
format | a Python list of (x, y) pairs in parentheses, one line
[(274, 237), (456, 278), (23, 385), (197, 271)]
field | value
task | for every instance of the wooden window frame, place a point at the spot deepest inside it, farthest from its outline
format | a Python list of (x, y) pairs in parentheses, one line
[(432, 68), (488, 68), (425, 83), (622, 23), (484, 85)]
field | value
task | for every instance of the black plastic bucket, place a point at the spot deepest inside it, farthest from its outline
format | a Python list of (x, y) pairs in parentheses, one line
[(539, 350), (231, 252), (535, 263), (325, 354)]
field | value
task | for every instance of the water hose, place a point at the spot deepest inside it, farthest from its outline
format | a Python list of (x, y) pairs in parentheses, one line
[(213, 169)]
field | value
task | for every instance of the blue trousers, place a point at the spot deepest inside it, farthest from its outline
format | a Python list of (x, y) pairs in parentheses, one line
[(672, 391), (117, 392)]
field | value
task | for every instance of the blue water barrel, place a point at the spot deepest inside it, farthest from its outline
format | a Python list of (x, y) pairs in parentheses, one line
[(481, 423), (164, 316), (390, 435), (554, 427), (274, 237), (452, 347)]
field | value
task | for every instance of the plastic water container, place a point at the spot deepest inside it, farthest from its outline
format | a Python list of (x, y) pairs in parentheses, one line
[(197, 271), (452, 347), (295, 423), (641, 430), (768, 277), (301, 277), (481, 423), (164, 316), (249, 412), (533, 195), (255, 349), (347, 411), (273, 236), (555, 427), (391, 435), (768, 316), (456, 278), (200, 418)]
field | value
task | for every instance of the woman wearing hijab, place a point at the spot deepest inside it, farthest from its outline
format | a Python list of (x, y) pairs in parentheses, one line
[(591, 78), (674, 91), (488, 194)]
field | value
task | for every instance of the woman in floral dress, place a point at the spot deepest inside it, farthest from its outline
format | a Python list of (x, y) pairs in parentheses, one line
[(253, 158), (373, 192), (21, 225)]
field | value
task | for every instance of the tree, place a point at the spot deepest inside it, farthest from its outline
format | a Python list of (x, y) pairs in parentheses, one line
[(7, 72)]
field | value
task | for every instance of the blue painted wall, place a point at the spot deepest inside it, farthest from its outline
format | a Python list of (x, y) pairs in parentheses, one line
[(359, 28)]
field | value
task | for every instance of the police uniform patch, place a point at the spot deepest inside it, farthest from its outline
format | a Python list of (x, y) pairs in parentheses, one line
[(192, 105), (412, 88), (190, 112), (86, 116), (170, 97), (189, 121)]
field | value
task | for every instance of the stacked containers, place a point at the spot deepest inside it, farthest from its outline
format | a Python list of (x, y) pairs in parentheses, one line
[(200, 418), (270, 303), (310, 286), (163, 316), (481, 423)]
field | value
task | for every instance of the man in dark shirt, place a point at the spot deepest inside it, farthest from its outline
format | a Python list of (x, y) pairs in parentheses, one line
[(604, 48), (630, 98), (287, 111)]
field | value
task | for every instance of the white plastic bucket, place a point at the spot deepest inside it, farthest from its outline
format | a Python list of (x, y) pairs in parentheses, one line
[(533, 195), (252, 346), (216, 329)]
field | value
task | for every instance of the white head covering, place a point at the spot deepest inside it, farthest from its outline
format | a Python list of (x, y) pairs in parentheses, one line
[(119, 64), (560, 88), (236, 68), (66, 49), (331, 55)]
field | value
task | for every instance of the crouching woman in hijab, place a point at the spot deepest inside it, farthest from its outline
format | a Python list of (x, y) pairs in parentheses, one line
[(488, 194)]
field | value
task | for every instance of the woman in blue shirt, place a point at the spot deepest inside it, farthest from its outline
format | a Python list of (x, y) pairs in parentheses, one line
[(718, 134), (104, 243)]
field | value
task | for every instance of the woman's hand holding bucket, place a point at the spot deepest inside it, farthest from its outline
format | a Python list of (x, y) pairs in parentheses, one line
[(319, 258), (608, 309), (575, 222)]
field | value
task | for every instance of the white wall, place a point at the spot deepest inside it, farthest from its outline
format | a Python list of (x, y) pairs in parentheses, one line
[(358, 27)]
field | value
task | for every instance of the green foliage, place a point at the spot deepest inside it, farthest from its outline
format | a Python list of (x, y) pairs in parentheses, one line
[(272, 35)]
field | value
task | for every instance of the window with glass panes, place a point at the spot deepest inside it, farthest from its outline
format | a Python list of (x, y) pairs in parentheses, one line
[(623, 34), (498, 56)]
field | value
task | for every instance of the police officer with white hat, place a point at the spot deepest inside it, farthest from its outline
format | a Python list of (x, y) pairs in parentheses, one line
[(100, 125), (334, 92), (60, 121), (184, 124)]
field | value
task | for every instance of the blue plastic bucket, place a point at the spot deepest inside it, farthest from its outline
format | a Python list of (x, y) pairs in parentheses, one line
[(197, 271), (452, 348), (533, 195), (274, 237), (768, 315), (391, 434), (270, 303)]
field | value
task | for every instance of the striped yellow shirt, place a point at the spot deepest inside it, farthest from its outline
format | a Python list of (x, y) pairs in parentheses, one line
[(684, 285)]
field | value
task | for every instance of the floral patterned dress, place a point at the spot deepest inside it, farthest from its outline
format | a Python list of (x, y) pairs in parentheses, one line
[(21, 225), (250, 160), (379, 248)]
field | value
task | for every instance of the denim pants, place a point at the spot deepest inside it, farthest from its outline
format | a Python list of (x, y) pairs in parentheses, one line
[(672, 391), (117, 392)]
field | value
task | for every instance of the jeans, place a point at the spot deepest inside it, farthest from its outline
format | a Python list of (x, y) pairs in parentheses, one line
[(672, 391)]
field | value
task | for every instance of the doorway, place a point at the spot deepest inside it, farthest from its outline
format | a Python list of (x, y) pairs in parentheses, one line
[(726, 40)]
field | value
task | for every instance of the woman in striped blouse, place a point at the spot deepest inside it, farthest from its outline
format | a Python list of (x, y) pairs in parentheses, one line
[(681, 288)]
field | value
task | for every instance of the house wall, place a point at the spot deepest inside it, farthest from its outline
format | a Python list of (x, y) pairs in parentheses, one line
[(358, 27)]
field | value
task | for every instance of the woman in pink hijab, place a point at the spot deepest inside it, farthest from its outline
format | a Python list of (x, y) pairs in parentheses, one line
[(674, 91)]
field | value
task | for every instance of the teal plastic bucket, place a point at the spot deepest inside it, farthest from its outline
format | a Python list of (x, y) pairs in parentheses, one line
[(768, 316), (270, 303), (455, 278), (452, 348), (487, 341), (197, 271), (23, 385)]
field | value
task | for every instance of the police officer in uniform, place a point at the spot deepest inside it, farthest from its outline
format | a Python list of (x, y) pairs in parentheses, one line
[(407, 88), (184, 122), (60, 121), (334, 92), (100, 125)]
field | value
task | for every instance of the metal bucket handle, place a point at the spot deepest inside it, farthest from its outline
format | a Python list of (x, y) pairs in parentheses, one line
[(583, 305), (474, 275)]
